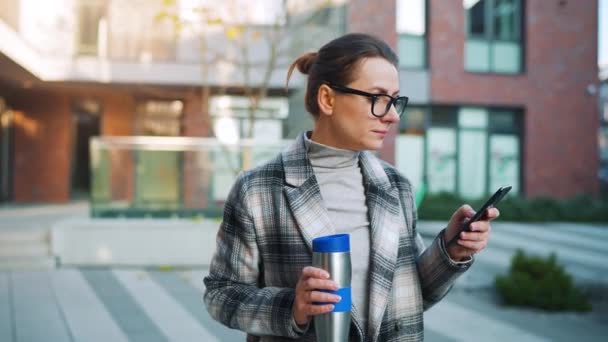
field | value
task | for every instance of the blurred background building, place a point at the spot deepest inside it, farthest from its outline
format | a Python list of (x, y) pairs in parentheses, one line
[(501, 92), (603, 135)]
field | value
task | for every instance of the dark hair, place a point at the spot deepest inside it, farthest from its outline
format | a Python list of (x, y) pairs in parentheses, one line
[(337, 61)]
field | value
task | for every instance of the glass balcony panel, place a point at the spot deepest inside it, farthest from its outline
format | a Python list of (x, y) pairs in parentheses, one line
[(169, 176)]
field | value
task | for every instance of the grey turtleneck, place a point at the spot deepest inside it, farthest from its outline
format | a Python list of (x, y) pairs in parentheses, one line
[(341, 183)]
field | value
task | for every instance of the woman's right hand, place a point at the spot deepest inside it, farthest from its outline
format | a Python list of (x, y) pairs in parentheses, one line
[(313, 279)]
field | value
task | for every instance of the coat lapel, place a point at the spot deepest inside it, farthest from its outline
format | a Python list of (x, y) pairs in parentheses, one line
[(305, 201), (303, 194), (386, 218)]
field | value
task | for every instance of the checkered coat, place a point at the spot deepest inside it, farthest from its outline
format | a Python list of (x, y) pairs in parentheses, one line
[(273, 213)]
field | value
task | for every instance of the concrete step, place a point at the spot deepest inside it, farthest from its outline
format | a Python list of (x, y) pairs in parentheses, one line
[(24, 250), (17, 236), (24, 244), (27, 264)]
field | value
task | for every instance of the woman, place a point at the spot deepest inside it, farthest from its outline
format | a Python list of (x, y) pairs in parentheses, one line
[(327, 182)]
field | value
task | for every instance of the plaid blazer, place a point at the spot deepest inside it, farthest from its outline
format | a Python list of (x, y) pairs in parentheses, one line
[(265, 239)]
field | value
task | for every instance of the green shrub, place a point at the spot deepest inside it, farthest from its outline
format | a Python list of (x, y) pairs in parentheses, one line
[(578, 209), (540, 283)]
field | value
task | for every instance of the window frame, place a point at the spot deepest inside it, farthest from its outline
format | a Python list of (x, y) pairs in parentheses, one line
[(425, 39), (491, 129), (489, 37)]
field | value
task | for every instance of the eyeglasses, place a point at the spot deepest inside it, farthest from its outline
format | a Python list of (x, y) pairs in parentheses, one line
[(381, 103)]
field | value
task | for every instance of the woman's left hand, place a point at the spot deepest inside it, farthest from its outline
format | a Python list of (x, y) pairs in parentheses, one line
[(471, 242)]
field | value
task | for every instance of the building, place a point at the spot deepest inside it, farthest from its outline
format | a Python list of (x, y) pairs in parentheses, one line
[(74, 69), (498, 92), (603, 132)]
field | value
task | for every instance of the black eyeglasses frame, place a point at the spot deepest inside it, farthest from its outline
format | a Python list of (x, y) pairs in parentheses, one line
[(393, 100)]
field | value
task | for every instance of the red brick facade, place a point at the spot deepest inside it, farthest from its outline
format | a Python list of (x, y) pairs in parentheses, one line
[(560, 118), (44, 133), (43, 140)]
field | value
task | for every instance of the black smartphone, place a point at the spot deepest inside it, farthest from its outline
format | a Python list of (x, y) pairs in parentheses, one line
[(492, 202)]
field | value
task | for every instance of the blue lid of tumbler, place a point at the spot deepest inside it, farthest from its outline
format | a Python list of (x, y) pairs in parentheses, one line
[(331, 244)]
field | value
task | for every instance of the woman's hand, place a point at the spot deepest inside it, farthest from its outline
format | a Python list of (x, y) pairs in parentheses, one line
[(472, 242), (313, 279)]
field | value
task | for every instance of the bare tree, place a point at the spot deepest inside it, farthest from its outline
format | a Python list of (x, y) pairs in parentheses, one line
[(229, 33)]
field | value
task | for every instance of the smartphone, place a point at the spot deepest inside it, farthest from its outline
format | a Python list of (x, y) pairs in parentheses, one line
[(492, 202)]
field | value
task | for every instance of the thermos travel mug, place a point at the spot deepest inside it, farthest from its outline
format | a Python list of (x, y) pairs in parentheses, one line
[(332, 253)]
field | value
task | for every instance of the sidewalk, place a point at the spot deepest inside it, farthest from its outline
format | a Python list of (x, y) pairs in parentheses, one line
[(101, 304), (136, 304), (39, 217)]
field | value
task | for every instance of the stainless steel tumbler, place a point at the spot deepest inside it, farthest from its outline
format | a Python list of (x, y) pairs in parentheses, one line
[(332, 253)]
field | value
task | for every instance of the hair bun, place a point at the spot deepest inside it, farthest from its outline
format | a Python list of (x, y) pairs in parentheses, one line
[(305, 62)]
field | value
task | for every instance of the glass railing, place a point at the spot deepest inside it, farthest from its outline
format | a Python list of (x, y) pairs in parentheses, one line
[(168, 176)]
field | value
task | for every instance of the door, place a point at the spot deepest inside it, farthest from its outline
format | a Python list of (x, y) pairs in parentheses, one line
[(86, 125), (6, 153)]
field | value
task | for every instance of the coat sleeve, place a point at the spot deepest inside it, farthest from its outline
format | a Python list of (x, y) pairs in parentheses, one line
[(233, 295), (436, 270)]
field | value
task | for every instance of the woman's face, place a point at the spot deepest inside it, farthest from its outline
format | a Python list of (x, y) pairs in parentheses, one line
[(352, 123)]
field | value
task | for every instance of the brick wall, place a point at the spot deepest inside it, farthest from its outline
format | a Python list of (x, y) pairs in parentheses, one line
[(560, 121), (118, 119), (43, 146), (196, 177), (44, 134)]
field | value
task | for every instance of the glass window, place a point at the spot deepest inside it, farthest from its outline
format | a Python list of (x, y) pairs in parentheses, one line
[(159, 118), (477, 56), (505, 20), (263, 130), (413, 118), (230, 115), (473, 117), (477, 17), (603, 143), (238, 106), (443, 116), (494, 41), (411, 51), (411, 28), (441, 159), (503, 121), (469, 150), (506, 57), (472, 151), (409, 157), (504, 161), (409, 145)]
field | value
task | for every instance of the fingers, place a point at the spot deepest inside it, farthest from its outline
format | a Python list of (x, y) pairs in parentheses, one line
[(314, 272), (472, 236), (492, 214), (313, 310), (303, 309), (314, 278), (311, 281), (465, 211), (480, 226), (322, 297), (310, 284), (475, 246), (475, 241)]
